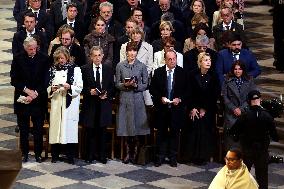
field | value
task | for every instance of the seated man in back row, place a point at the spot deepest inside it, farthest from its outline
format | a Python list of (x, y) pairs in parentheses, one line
[(235, 174)]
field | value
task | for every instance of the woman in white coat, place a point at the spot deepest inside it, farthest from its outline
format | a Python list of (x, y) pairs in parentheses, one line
[(145, 55), (168, 44), (65, 86)]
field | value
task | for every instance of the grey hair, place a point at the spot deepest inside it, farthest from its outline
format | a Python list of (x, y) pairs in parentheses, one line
[(168, 16), (202, 39), (106, 4), (96, 48), (28, 41)]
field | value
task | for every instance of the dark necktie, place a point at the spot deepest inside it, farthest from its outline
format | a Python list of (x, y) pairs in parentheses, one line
[(98, 82), (71, 24), (169, 78), (36, 13), (227, 28)]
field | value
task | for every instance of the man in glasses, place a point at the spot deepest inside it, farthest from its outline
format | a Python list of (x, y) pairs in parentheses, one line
[(68, 41), (254, 129), (235, 174)]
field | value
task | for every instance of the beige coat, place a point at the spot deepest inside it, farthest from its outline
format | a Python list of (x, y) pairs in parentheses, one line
[(63, 127)]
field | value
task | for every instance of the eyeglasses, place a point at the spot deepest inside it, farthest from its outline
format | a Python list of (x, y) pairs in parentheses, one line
[(35, 1), (231, 159)]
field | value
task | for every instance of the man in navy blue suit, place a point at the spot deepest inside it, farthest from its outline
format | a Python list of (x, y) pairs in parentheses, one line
[(227, 57)]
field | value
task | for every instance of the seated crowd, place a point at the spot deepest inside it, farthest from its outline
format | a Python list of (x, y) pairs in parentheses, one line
[(166, 64)]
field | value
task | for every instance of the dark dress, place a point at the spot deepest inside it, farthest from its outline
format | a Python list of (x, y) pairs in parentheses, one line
[(200, 140)]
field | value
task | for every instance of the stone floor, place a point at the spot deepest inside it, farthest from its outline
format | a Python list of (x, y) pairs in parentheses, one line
[(115, 174)]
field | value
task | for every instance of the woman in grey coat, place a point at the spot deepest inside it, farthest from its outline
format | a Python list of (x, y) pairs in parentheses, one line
[(131, 80), (234, 92)]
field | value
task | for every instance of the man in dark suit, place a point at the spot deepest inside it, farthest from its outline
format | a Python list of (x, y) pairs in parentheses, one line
[(227, 57), (29, 31), (159, 9), (255, 128), (227, 25), (74, 22), (97, 105), (58, 11), (42, 18), (190, 57), (22, 5), (29, 70), (112, 26), (169, 91), (76, 51), (124, 12)]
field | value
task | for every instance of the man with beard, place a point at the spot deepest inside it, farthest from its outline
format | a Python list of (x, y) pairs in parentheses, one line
[(227, 57)]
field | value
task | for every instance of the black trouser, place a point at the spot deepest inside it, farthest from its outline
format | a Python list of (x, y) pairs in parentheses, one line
[(24, 126), (278, 53), (70, 150), (258, 156), (96, 143), (167, 140)]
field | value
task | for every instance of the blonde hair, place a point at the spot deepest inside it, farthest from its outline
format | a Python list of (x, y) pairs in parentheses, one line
[(139, 30), (166, 23), (202, 2), (200, 57), (62, 50), (198, 17)]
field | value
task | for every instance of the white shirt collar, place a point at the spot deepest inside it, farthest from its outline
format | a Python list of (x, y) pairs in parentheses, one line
[(95, 66), (230, 25), (30, 33), (69, 22), (35, 10), (167, 69)]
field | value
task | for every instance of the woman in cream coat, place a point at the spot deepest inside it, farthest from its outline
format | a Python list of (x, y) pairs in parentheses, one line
[(64, 90), (168, 43), (145, 55)]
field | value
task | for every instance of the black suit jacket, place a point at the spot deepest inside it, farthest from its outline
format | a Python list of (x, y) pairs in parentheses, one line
[(56, 13), (93, 107), (218, 31), (156, 14), (158, 89), (124, 12), (79, 29), (32, 75), (43, 21), (20, 36)]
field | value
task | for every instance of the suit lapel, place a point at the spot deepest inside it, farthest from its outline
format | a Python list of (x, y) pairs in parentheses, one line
[(91, 75)]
